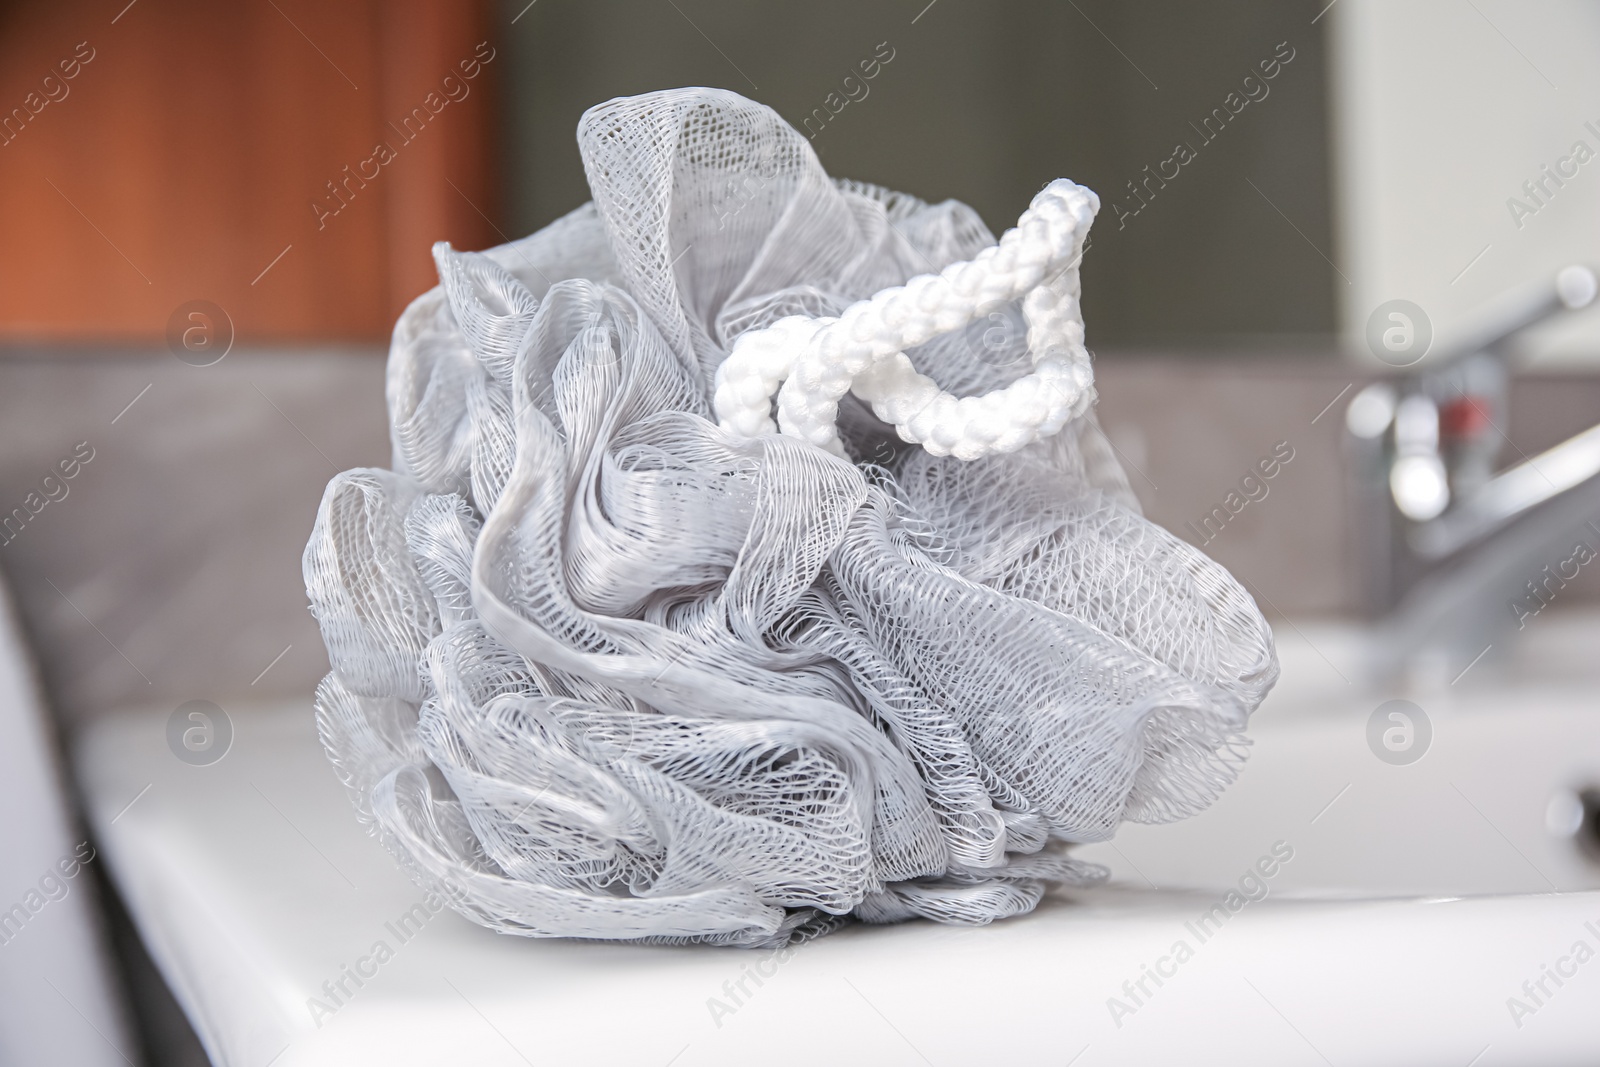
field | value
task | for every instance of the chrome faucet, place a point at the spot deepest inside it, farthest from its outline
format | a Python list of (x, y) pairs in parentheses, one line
[(1454, 555)]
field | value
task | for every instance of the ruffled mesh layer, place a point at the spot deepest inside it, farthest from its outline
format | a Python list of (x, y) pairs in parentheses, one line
[(603, 670)]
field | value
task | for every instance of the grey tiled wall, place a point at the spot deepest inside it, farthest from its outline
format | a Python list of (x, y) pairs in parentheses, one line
[(170, 571)]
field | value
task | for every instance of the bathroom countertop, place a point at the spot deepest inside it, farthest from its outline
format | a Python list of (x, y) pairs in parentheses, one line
[(291, 938)]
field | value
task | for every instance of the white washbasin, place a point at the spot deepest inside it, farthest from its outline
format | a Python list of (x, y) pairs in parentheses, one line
[(1470, 818), (1417, 900)]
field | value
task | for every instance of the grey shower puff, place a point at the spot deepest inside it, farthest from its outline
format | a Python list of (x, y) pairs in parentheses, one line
[(602, 670)]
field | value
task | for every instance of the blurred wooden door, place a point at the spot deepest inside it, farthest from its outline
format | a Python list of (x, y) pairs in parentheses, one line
[(287, 160)]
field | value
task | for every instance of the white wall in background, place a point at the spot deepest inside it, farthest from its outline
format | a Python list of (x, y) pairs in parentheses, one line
[(1441, 111)]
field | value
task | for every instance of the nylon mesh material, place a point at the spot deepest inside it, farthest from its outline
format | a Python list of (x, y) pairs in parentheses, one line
[(602, 670)]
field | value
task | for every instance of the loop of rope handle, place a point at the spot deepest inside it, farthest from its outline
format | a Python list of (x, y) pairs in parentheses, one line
[(811, 363)]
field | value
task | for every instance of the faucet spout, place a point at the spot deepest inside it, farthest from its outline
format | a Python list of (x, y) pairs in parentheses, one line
[(1512, 493), (1446, 543)]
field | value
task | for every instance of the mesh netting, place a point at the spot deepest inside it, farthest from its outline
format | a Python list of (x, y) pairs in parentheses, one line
[(605, 669)]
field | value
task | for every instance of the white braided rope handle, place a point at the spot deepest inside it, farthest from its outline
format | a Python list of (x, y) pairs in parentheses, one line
[(816, 361)]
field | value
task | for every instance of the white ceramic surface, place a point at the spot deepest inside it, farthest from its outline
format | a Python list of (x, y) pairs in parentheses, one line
[(58, 996), (1417, 901)]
